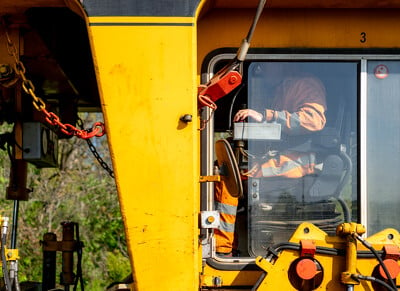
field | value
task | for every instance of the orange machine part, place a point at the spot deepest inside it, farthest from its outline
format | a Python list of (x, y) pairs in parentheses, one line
[(392, 266), (306, 269)]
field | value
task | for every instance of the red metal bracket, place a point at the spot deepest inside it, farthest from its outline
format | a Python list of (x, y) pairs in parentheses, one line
[(391, 252), (308, 248), (219, 86)]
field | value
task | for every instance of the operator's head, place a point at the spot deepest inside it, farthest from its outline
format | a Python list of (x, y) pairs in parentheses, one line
[(276, 72)]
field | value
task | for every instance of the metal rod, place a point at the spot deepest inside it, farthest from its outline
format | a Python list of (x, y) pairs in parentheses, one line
[(14, 225), (260, 8), (244, 47)]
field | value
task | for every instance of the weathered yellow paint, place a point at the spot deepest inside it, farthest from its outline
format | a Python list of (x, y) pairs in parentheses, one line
[(214, 178), (12, 254), (299, 28), (229, 278), (333, 266), (147, 79), (148, 70)]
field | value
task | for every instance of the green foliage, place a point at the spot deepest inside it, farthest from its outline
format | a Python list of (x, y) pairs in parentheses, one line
[(116, 266), (79, 191)]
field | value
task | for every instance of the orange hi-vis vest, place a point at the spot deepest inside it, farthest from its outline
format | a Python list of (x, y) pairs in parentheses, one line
[(226, 204)]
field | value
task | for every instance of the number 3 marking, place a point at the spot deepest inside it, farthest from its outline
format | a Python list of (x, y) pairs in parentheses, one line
[(363, 37)]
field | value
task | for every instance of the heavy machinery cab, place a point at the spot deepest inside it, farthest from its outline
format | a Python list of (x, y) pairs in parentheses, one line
[(342, 187), (144, 64)]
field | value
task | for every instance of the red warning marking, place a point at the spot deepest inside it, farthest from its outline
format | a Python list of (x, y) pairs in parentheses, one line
[(381, 71)]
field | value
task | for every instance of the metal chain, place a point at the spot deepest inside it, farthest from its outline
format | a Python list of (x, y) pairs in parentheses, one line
[(97, 129), (93, 149), (102, 163)]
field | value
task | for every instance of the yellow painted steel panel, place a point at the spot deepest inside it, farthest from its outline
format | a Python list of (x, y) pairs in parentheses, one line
[(229, 278), (299, 28), (146, 68)]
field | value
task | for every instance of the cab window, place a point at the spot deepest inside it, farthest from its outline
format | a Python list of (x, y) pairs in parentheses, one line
[(292, 128)]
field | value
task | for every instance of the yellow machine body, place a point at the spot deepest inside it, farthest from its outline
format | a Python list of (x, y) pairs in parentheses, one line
[(148, 72), (169, 223), (148, 68)]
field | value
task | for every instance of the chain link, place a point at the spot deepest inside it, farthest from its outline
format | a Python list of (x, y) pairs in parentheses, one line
[(95, 153), (102, 163), (97, 129)]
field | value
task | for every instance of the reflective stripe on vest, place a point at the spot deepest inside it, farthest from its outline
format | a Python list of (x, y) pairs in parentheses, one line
[(226, 226), (227, 215), (293, 165), (225, 208)]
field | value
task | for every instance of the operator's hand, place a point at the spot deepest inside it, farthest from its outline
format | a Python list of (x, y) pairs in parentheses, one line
[(245, 113)]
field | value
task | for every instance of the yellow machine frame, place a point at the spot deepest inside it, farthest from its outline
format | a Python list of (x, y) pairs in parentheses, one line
[(148, 69)]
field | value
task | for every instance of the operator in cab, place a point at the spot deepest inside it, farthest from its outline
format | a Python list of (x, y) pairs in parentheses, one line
[(297, 101)]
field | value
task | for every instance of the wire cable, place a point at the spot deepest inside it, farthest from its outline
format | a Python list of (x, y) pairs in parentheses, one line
[(373, 279), (381, 263), (233, 103)]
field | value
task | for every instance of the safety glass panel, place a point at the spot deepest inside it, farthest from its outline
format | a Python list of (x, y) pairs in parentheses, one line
[(383, 145), (295, 137)]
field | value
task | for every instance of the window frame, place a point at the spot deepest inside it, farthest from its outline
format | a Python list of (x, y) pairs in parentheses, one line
[(207, 135)]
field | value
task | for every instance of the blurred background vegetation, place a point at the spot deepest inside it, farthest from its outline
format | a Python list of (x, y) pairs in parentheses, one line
[(81, 191)]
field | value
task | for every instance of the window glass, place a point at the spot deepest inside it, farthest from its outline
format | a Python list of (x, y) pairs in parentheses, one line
[(383, 145), (293, 129)]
